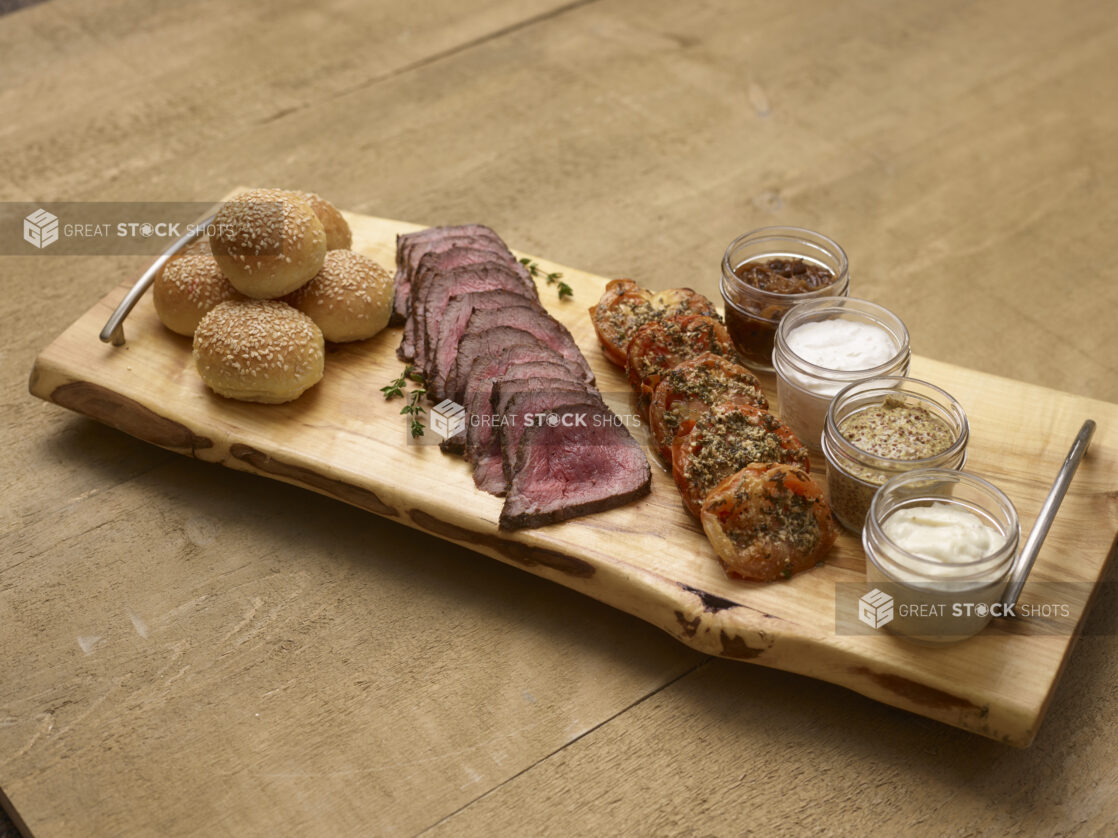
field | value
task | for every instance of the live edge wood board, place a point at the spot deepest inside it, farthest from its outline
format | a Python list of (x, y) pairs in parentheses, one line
[(648, 558)]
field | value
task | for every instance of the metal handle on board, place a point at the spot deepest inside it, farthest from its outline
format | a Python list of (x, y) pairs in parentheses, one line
[(1025, 559), (114, 328)]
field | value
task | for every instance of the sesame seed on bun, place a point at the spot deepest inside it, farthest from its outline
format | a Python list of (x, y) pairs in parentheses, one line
[(349, 299), (267, 242), (189, 286), (258, 351), (338, 235)]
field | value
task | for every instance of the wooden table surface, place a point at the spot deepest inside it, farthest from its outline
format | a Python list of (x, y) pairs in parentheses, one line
[(185, 650)]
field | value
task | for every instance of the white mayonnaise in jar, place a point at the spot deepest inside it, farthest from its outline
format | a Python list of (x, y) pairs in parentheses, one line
[(824, 345), (941, 544)]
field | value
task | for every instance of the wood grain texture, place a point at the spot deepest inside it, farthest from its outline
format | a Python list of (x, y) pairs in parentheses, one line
[(168, 690), (647, 558), (751, 751), (962, 153), (640, 138)]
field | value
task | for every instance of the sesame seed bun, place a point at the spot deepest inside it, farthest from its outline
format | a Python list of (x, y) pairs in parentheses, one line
[(267, 242), (349, 299), (338, 235), (201, 245), (258, 351), (189, 286)]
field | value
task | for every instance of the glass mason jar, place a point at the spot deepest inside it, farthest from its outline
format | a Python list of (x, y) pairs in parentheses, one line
[(805, 389), (752, 314), (936, 601), (854, 475)]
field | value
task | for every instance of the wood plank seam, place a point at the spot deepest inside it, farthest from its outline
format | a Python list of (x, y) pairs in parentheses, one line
[(429, 60), (650, 694)]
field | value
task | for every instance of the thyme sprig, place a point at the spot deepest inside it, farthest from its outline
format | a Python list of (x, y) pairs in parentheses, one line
[(552, 278), (398, 386), (414, 408)]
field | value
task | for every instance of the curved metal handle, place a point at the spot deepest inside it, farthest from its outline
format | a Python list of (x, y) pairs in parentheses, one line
[(114, 328), (1025, 559)]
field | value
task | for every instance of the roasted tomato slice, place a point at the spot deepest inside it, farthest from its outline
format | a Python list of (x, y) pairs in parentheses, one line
[(662, 344), (725, 440), (690, 389), (768, 521), (682, 301), (625, 307)]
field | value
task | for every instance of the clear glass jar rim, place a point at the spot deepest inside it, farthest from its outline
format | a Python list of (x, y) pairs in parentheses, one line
[(847, 475), (1013, 536), (839, 304), (795, 233), (851, 451)]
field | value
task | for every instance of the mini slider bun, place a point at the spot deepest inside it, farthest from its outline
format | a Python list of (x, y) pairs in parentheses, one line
[(268, 242), (201, 245), (338, 235), (189, 286), (349, 299), (258, 351)]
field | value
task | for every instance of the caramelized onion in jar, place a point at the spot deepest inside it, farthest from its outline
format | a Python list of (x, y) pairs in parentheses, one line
[(767, 271)]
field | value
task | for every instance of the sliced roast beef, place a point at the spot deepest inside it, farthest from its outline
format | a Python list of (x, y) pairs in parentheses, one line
[(476, 342), (410, 247), (456, 252), (401, 286), (436, 263), (483, 366), (521, 408), (511, 346), (508, 348), (450, 299), (483, 447), (581, 461), (432, 264), (473, 323), (514, 382)]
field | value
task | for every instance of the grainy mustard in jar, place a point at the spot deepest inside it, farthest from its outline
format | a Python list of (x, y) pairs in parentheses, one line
[(897, 430), (879, 428)]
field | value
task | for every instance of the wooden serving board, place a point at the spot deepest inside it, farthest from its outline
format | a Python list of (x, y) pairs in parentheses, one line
[(648, 558)]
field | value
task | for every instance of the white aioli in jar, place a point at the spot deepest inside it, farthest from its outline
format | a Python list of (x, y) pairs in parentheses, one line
[(838, 344), (945, 561), (837, 347), (943, 532)]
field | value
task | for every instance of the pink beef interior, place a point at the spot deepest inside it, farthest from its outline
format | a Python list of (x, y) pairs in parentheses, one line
[(562, 472)]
